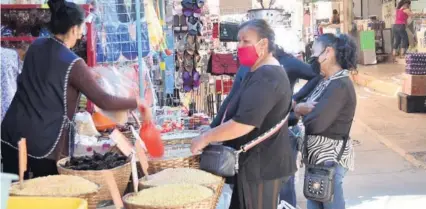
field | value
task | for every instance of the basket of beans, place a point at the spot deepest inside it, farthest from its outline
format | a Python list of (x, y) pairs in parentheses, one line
[(91, 167), (171, 196), (186, 176), (58, 186)]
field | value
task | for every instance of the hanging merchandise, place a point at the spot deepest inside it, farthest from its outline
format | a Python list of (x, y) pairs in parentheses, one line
[(223, 64), (156, 35), (228, 32), (170, 65)]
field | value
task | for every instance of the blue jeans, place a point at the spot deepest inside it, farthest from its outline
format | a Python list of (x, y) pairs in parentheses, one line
[(338, 201), (288, 192)]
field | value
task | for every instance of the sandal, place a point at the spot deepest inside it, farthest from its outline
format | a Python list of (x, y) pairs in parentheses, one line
[(176, 23), (183, 24)]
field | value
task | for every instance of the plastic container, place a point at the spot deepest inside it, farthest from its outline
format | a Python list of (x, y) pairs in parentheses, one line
[(6, 179), (152, 139), (46, 203)]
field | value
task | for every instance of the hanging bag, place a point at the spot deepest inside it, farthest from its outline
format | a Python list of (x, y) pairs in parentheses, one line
[(224, 64)]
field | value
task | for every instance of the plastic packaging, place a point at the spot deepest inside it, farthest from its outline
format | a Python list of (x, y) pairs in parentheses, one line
[(85, 125), (114, 82), (102, 122)]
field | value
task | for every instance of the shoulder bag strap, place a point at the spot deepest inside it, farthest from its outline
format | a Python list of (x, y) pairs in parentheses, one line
[(345, 141), (265, 135)]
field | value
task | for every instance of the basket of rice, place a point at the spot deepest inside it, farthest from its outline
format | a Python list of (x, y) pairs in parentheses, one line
[(180, 137), (171, 196), (175, 156), (58, 186), (91, 167), (186, 176)]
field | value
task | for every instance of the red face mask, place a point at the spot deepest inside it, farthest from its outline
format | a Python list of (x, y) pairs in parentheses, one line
[(247, 55)]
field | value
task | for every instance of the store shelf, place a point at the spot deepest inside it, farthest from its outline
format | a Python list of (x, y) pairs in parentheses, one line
[(36, 6), (19, 38)]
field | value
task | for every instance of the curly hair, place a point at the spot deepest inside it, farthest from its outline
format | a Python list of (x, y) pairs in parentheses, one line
[(345, 48)]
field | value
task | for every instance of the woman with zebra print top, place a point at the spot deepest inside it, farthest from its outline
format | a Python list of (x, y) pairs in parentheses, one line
[(329, 110)]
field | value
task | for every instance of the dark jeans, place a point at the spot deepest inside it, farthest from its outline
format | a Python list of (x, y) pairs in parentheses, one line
[(400, 37), (288, 190), (38, 167)]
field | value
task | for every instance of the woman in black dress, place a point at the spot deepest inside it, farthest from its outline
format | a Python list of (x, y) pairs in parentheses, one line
[(263, 100)]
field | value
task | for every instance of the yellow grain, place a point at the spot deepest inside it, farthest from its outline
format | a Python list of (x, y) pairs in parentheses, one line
[(55, 186), (171, 195), (182, 176)]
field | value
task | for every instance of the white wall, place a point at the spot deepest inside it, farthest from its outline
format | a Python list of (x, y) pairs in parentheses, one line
[(357, 8), (418, 5), (372, 7)]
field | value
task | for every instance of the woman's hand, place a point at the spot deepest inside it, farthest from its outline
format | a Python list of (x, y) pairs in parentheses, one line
[(198, 144), (145, 110), (304, 108)]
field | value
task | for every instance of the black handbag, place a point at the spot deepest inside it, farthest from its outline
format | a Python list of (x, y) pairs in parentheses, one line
[(319, 179), (223, 161)]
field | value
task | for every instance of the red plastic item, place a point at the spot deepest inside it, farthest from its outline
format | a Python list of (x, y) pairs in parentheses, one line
[(152, 138)]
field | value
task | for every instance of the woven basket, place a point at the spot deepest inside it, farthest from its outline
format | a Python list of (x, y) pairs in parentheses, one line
[(121, 175), (174, 138), (186, 160), (91, 198), (204, 204), (216, 187)]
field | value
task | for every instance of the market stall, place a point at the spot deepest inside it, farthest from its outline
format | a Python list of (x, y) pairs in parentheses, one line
[(130, 46)]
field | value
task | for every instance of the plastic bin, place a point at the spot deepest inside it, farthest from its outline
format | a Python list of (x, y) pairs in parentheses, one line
[(46, 203), (5, 180)]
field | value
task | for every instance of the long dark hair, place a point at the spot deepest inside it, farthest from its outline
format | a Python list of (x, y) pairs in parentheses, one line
[(64, 15), (345, 48), (402, 2)]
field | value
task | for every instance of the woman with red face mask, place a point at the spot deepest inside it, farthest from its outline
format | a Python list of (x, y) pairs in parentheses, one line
[(260, 106)]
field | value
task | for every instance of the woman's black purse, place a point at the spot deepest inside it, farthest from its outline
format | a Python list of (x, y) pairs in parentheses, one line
[(319, 179), (223, 161)]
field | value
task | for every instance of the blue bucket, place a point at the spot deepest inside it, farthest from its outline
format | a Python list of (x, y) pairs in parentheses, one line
[(6, 180)]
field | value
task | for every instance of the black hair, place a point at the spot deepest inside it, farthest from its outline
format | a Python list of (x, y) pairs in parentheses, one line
[(335, 12), (279, 52), (263, 30), (64, 15), (402, 2), (345, 48)]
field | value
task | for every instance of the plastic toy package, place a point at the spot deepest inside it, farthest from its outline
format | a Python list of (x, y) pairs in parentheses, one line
[(114, 82)]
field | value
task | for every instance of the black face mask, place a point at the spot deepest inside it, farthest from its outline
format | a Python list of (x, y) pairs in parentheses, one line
[(315, 65)]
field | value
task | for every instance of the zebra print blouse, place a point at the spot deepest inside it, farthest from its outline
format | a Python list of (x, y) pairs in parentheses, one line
[(321, 148)]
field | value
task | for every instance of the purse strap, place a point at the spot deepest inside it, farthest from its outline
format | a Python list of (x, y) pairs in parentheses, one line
[(262, 137)]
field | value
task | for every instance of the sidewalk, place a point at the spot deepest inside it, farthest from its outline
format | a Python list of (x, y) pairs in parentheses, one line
[(402, 132), (383, 78), (381, 180)]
